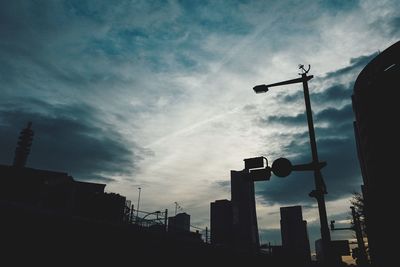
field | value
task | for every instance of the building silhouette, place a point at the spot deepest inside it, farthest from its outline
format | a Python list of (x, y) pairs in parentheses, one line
[(221, 223), (376, 109), (179, 223), (244, 216), (295, 242), (55, 192), (58, 192)]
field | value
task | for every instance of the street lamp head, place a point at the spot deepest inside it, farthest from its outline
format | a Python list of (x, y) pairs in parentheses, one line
[(260, 88)]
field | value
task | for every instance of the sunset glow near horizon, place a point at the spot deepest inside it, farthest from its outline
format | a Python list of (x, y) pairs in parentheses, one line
[(158, 95)]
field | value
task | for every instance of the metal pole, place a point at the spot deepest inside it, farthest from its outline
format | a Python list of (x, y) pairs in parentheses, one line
[(320, 189), (165, 220), (206, 234), (360, 241), (137, 210), (131, 213)]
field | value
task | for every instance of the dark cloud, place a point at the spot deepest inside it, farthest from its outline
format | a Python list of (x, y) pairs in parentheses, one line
[(299, 119), (337, 92), (223, 183), (336, 6), (334, 93), (42, 49), (394, 25), (387, 25), (336, 116), (332, 116), (290, 98), (68, 138), (217, 16), (292, 190), (340, 130), (356, 64), (341, 174)]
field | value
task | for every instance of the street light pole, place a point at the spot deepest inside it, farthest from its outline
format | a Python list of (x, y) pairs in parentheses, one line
[(137, 210), (320, 188)]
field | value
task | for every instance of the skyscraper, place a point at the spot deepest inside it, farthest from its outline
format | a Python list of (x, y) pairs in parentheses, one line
[(376, 109), (295, 242), (221, 223), (244, 211)]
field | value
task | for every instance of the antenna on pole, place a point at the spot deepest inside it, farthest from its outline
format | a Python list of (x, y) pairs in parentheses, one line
[(23, 146), (303, 70), (177, 207)]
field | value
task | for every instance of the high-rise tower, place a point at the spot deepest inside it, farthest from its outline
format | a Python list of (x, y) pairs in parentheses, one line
[(376, 110), (244, 211), (23, 146), (295, 240)]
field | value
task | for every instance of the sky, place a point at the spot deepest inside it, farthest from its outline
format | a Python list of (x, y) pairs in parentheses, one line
[(158, 95)]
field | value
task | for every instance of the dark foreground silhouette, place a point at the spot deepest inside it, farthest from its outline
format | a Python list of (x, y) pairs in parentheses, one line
[(29, 235)]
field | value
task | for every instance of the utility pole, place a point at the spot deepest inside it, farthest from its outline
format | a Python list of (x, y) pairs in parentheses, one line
[(165, 220), (137, 210), (360, 241)]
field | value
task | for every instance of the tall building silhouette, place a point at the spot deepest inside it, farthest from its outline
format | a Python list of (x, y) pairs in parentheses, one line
[(221, 223), (295, 242), (376, 109), (244, 211), (23, 146)]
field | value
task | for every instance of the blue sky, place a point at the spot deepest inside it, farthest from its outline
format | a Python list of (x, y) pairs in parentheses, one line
[(158, 95)]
